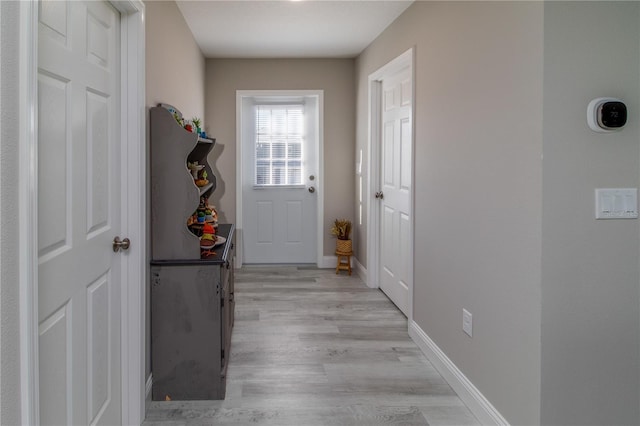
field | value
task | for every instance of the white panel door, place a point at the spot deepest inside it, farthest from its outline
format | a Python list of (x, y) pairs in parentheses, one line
[(279, 219), (396, 176), (78, 213)]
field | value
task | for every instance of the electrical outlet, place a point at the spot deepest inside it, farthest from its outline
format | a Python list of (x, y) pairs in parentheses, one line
[(467, 322)]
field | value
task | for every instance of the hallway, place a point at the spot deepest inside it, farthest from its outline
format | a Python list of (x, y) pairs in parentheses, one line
[(310, 347)]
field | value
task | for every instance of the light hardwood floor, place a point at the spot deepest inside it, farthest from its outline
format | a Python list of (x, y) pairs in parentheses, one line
[(311, 347)]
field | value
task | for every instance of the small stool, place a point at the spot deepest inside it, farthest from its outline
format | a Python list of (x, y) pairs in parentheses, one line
[(344, 261)]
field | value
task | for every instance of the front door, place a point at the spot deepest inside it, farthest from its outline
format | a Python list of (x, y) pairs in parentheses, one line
[(79, 274), (279, 198), (395, 194)]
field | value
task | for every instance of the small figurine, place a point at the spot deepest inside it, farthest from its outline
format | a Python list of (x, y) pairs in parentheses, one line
[(208, 236), (203, 179), (197, 122), (195, 168), (207, 241)]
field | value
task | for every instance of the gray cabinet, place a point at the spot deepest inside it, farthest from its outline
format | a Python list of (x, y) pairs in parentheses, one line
[(192, 305), (192, 313)]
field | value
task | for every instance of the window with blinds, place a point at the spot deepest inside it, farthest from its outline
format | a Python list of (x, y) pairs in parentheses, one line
[(279, 144)]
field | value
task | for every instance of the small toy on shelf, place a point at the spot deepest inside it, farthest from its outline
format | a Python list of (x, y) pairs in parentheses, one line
[(172, 110), (207, 241), (195, 168), (208, 238), (205, 214), (202, 181), (197, 122), (178, 119)]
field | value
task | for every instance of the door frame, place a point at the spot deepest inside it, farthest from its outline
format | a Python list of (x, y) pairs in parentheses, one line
[(374, 173), (133, 279), (319, 185)]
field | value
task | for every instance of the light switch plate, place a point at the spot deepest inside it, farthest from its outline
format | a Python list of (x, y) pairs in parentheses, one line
[(616, 203)]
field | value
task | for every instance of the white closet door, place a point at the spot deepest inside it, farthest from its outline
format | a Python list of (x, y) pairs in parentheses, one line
[(79, 213)]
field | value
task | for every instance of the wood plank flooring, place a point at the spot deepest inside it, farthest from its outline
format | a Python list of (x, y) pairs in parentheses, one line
[(309, 348)]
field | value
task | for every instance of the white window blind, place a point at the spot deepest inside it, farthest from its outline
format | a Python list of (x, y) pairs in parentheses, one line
[(279, 145)]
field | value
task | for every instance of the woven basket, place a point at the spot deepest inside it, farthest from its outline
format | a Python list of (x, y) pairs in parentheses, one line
[(344, 246)]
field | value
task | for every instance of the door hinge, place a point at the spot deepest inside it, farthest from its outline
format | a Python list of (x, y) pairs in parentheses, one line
[(222, 353)]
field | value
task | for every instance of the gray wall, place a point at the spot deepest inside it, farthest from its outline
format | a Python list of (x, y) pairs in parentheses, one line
[(174, 75), (509, 235), (174, 62), (478, 137), (590, 298), (9, 285), (334, 76)]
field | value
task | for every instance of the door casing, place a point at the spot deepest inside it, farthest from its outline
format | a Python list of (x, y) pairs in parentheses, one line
[(319, 185), (374, 173), (132, 113)]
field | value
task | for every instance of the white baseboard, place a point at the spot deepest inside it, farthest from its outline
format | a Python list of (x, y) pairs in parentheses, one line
[(480, 406), (360, 270), (331, 261), (328, 262), (147, 395)]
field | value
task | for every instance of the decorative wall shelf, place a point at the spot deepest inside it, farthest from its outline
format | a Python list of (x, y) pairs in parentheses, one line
[(174, 194)]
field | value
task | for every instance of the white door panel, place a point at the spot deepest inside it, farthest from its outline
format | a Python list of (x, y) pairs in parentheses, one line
[(396, 182), (265, 224), (405, 157), (54, 224), (388, 154), (79, 213), (404, 235), (294, 221), (55, 341), (280, 228)]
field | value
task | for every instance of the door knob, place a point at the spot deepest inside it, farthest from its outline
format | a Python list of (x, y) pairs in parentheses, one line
[(120, 245), (312, 189)]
